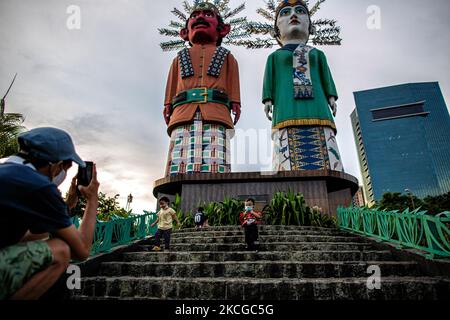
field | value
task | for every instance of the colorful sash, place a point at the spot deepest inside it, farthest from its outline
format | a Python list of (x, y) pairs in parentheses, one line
[(187, 69), (303, 87), (217, 62), (214, 69)]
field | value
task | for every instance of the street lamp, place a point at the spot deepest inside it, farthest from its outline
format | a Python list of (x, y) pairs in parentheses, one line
[(411, 196), (129, 201)]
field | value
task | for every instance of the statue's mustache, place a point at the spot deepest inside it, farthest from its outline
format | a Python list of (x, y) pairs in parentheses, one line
[(200, 22)]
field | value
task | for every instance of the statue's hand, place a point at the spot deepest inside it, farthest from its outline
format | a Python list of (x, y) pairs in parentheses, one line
[(236, 109), (167, 113), (268, 109), (333, 105)]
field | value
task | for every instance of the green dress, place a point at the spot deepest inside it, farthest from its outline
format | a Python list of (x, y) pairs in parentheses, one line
[(304, 129), (279, 87)]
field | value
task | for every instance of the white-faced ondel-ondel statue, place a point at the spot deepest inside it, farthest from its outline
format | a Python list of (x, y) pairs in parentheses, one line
[(300, 96)]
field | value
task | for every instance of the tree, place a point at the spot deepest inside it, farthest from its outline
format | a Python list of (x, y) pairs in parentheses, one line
[(400, 202), (10, 128), (438, 204), (108, 208)]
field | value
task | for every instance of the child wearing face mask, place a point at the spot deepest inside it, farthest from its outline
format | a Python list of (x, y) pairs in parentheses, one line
[(249, 221)]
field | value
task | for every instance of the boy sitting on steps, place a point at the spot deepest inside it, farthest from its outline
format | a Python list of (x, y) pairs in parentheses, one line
[(200, 219)]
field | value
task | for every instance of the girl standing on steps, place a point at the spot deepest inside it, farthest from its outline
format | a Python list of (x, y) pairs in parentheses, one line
[(165, 223)]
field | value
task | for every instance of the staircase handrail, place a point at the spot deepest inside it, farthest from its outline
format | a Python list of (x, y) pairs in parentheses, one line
[(428, 234), (123, 231)]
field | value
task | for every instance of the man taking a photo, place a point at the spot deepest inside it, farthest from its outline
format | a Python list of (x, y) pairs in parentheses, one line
[(37, 237)]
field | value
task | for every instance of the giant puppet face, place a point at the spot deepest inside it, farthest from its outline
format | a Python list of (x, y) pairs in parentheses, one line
[(293, 24), (205, 26)]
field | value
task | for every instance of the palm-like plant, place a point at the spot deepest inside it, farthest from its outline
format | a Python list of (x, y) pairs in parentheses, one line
[(291, 209), (285, 209), (224, 213), (10, 127)]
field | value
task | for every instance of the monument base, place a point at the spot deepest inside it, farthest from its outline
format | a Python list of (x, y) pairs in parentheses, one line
[(325, 189)]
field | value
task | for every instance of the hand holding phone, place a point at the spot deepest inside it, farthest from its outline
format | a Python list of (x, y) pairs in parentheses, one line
[(84, 176), (90, 192)]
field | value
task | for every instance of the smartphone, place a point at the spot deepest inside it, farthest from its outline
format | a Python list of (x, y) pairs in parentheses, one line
[(84, 175)]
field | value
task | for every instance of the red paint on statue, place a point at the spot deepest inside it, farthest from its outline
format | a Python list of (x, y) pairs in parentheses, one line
[(204, 27)]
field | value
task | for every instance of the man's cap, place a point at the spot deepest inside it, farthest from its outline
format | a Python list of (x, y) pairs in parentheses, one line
[(206, 6), (49, 144)]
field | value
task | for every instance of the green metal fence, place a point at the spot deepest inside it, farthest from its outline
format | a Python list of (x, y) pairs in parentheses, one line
[(120, 231), (430, 235)]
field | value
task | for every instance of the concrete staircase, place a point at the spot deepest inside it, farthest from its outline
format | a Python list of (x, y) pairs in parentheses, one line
[(293, 263)]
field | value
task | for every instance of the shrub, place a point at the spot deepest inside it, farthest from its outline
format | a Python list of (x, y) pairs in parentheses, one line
[(291, 209)]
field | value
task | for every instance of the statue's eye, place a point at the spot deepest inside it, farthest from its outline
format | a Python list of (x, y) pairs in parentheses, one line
[(300, 10), (285, 12), (209, 14)]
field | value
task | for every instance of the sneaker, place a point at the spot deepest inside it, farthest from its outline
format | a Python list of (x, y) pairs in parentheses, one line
[(156, 248)]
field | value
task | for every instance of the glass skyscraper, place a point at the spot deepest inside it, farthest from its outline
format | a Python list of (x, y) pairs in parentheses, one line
[(402, 134)]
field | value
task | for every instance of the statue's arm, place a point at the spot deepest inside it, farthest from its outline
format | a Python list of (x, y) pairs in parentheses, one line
[(268, 109), (234, 87), (268, 88), (333, 105), (328, 83), (171, 90)]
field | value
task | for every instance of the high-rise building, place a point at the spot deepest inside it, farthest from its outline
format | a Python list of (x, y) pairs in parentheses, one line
[(402, 134), (358, 198)]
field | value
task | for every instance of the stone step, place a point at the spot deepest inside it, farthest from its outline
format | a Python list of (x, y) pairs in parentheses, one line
[(267, 239), (256, 269), (392, 288), (208, 234), (262, 228), (305, 256), (88, 298), (274, 246)]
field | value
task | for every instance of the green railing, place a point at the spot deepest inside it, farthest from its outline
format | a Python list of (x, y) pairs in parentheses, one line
[(120, 231), (430, 235)]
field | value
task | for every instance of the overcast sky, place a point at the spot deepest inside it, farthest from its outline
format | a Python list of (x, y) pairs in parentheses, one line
[(105, 83)]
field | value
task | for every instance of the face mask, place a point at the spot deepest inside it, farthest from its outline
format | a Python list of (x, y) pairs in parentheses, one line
[(248, 209), (59, 179)]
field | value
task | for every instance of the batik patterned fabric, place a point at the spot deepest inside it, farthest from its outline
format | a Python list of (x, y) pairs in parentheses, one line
[(306, 148), (199, 148), (217, 62), (303, 87)]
